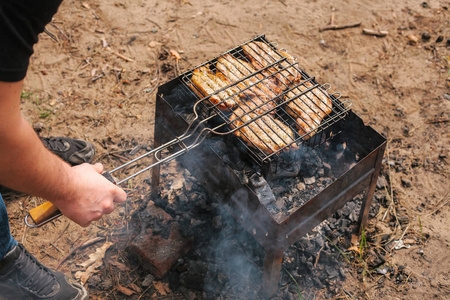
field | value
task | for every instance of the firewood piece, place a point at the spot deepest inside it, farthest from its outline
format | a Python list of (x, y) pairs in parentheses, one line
[(339, 27), (379, 33)]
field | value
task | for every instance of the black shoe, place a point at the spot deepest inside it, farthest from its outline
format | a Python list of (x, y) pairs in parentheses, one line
[(23, 277), (73, 151)]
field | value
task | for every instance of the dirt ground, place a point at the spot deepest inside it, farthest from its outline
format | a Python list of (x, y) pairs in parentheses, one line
[(96, 79)]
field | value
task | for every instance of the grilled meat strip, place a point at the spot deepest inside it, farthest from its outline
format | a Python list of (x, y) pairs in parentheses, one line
[(234, 70), (209, 84), (262, 132), (309, 108), (262, 55)]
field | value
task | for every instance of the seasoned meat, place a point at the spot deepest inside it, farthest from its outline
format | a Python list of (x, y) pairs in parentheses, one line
[(309, 108), (262, 55), (263, 132), (234, 70), (208, 84)]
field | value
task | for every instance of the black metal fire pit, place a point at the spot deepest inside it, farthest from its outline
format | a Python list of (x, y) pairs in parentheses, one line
[(243, 186)]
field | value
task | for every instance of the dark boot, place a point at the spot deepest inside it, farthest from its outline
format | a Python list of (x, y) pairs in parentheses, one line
[(23, 277)]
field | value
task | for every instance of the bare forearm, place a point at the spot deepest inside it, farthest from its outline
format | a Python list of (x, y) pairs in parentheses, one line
[(27, 166), (80, 192)]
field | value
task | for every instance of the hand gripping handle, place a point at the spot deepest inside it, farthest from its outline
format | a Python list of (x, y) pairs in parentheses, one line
[(47, 212)]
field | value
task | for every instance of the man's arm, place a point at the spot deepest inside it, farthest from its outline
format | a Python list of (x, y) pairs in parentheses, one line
[(79, 192)]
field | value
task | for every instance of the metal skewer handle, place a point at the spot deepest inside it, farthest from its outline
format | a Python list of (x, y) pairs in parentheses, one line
[(47, 211)]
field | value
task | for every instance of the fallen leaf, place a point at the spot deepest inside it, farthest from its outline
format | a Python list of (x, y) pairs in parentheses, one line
[(161, 287), (95, 260), (124, 290), (121, 266), (175, 53), (135, 288), (85, 5), (354, 248)]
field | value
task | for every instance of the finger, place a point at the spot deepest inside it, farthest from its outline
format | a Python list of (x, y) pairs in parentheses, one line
[(120, 196), (98, 167)]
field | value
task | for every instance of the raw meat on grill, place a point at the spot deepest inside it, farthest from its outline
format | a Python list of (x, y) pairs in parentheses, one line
[(221, 94), (262, 55), (262, 132), (309, 108)]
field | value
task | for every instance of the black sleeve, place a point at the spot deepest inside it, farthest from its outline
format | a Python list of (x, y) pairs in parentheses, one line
[(21, 21)]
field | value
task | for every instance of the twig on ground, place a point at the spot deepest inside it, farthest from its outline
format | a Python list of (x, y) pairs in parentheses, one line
[(81, 246), (145, 291), (60, 31), (54, 246), (153, 22), (61, 234), (379, 33), (97, 77), (339, 27), (225, 24), (204, 24), (119, 55), (406, 281), (51, 35), (127, 98), (318, 256), (437, 121), (434, 211), (437, 206)]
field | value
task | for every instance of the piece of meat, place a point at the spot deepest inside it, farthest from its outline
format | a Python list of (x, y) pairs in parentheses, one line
[(207, 84), (309, 108), (262, 132), (234, 70), (259, 104), (262, 55)]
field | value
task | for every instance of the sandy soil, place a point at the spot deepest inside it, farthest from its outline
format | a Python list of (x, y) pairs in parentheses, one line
[(97, 81)]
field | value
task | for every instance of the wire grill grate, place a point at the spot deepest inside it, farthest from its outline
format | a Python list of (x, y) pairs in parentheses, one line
[(264, 98)]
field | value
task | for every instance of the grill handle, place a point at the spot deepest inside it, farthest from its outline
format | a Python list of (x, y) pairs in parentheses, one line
[(47, 211)]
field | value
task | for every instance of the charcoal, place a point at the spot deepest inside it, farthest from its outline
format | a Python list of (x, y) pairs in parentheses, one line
[(332, 273), (311, 162), (196, 273), (319, 241), (148, 280), (344, 223), (354, 215), (217, 222), (285, 167)]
